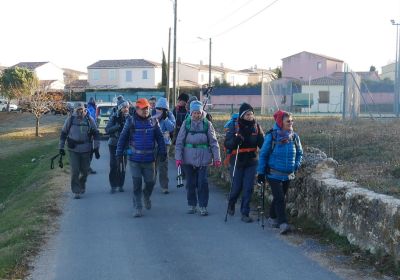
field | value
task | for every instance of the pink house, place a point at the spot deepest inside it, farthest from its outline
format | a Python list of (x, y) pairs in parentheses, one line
[(305, 66)]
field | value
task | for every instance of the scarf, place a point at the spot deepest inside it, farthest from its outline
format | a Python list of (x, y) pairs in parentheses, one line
[(284, 136), (246, 128)]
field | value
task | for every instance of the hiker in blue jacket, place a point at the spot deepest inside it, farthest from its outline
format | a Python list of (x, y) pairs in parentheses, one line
[(144, 136), (280, 157), (167, 125), (248, 135), (114, 128)]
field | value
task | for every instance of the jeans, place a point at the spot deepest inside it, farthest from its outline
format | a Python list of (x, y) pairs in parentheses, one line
[(162, 170), (196, 179), (116, 177), (80, 163), (278, 205), (147, 171), (243, 181)]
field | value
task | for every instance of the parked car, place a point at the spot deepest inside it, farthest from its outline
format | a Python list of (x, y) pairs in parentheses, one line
[(3, 106), (103, 113)]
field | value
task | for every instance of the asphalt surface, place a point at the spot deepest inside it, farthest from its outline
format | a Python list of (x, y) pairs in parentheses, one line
[(99, 239)]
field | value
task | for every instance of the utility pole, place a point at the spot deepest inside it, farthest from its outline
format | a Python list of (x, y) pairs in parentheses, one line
[(397, 70), (168, 66), (174, 70), (209, 66)]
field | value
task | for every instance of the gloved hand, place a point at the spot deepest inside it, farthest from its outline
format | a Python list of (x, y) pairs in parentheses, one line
[(96, 153), (261, 179), (164, 115), (62, 152), (178, 162), (162, 157), (217, 163), (238, 139)]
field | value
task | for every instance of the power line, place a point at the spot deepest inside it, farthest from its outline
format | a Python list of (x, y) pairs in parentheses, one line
[(246, 20), (229, 15)]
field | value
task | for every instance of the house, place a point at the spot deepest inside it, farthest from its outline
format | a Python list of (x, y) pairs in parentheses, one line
[(125, 73), (45, 71), (388, 71), (76, 86), (73, 75), (256, 75), (199, 73), (306, 66)]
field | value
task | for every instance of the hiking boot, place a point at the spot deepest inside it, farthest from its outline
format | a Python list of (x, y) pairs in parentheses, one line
[(203, 211), (284, 228), (273, 223), (231, 209), (246, 219), (121, 189), (138, 213), (147, 203), (112, 190), (164, 191), (191, 210), (77, 196)]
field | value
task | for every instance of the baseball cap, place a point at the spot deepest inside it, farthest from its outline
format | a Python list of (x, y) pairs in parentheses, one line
[(142, 103)]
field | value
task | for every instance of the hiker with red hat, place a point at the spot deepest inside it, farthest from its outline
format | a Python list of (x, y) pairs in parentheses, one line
[(280, 157), (143, 135), (243, 137)]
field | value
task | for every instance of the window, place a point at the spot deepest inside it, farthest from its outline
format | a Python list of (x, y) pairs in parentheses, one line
[(144, 74), (323, 97), (96, 75), (319, 65), (128, 76), (111, 75)]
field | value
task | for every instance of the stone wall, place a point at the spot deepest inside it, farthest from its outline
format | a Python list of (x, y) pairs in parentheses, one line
[(367, 219)]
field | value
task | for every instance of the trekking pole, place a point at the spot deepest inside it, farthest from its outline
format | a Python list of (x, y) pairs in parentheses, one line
[(52, 161), (179, 179), (233, 176)]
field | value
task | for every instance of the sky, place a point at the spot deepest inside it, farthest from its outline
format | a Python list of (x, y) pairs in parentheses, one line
[(244, 33)]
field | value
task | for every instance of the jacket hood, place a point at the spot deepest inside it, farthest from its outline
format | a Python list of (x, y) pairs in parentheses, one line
[(162, 103)]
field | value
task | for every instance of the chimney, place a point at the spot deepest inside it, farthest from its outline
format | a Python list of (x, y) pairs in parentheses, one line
[(201, 62), (222, 65), (255, 66)]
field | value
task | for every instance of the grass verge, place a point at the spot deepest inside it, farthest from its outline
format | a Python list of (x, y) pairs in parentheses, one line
[(28, 202)]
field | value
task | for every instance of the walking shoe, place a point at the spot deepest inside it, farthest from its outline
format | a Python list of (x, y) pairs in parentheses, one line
[(138, 213), (121, 189), (165, 191), (273, 223), (284, 228), (246, 219), (77, 196), (203, 211), (231, 209), (191, 210), (147, 203), (112, 190)]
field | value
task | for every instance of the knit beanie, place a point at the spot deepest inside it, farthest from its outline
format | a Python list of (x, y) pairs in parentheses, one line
[(244, 108), (278, 116), (183, 97), (121, 103), (162, 103), (196, 106)]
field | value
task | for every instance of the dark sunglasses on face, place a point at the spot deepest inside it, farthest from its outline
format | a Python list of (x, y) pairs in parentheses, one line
[(289, 121)]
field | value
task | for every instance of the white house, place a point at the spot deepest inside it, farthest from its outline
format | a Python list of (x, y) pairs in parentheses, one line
[(388, 71), (45, 71), (126, 73)]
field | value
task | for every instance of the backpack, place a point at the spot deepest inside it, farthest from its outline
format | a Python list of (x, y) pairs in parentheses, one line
[(273, 142), (188, 125)]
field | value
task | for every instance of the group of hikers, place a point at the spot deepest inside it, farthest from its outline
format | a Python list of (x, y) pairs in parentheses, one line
[(145, 135)]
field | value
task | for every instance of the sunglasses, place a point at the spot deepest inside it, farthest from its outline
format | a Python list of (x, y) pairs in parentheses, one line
[(289, 121)]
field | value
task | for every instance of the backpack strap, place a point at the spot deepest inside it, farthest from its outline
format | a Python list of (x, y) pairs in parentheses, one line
[(188, 126)]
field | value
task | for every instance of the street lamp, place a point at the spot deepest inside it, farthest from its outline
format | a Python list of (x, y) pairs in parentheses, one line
[(209, 60), (396, 75)]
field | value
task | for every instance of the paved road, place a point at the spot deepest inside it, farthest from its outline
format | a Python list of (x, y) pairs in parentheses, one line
[(99, 239)]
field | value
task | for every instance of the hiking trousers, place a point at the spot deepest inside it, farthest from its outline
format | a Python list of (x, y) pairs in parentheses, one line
[(116, 177), (80, 163), (139, 170), (243, 182), (196, 185), (278, 205), (162, 170)]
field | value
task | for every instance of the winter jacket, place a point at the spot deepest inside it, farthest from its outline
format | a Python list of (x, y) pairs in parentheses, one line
[(114, 127), (248, 155), (91, 108), (80, 131), (167, 126), (180, 115), (187, 150), (284, 159), (144, 137)]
